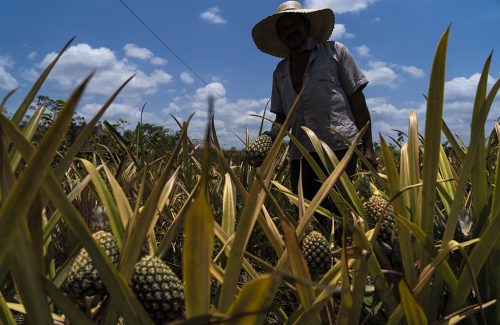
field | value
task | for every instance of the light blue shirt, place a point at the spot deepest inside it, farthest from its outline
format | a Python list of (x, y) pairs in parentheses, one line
[(331, 75)]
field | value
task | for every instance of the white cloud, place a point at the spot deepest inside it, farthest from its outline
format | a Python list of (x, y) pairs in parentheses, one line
[(215, 89), (380, 73), (387, 116), (230, 116), (460, 93), (383, 73), (363, 51), (172, 108), (186, 78), (79, 60), (340, 6), (127, 112), (413, 71), (464, 88), (340, 32), (133, 51), (29, 74), (7, 81), (32, 55), (6, 61), (458, 107), (213, 16), (158, 61)]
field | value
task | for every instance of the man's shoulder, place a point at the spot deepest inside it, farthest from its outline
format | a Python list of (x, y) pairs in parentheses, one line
[(336, 45), (280, 67)]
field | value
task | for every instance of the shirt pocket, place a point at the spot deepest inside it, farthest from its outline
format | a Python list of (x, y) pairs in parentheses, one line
[(326, 71)]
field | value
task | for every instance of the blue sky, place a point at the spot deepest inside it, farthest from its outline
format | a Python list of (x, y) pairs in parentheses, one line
[(393, 42)]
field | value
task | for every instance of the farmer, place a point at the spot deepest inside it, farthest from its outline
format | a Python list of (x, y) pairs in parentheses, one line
[(332, 102)]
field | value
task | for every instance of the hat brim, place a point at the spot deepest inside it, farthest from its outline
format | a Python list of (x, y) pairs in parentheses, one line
[(265, 34)]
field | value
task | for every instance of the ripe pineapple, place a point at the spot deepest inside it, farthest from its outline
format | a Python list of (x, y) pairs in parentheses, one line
[(375, 209), (257, 150), (83, 278), (158, 289), (317, 252)]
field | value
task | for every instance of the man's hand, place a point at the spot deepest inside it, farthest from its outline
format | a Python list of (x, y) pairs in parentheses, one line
[(362, 117), (371, 156)]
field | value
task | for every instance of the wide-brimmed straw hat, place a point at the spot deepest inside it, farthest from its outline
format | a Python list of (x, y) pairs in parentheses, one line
[(265, 33)]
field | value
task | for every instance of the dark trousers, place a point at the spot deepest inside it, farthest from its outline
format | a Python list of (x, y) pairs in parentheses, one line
[(311, 184)]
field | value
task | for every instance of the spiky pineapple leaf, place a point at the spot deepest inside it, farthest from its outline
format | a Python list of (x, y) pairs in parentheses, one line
[(296, 259), (129, 306), (248, 218), (228, 206), (264, 219), (198, 240), (107, 200), (122, 204), (25, 275), (346, 301), (253, 301), (479, 184), (26, 188), (23, 107), (85, 133), (413, 311), (28, 131), (70, 310), (123, 143), (438, 263), (142, 223), (6, 316), (56, 216), (393, 178), (328, 184), (432, 135)]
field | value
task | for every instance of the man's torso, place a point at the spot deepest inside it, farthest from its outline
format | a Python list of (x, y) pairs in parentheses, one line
[(324, 107)]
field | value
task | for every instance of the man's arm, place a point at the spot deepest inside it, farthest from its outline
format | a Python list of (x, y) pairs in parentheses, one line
[(362, 116), (278, 121)]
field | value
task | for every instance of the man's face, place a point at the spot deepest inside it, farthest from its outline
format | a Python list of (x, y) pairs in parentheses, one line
[(293, 30)]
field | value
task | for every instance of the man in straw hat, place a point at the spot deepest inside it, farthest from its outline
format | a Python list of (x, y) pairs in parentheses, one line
[(332, 105)]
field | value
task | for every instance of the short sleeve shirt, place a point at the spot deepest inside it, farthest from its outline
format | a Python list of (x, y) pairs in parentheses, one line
[(332, 75)]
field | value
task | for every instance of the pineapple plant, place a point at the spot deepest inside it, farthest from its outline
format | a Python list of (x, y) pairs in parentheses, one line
[(256, 151), (317, 252), (158, 289), (83, 279), (162, 294)]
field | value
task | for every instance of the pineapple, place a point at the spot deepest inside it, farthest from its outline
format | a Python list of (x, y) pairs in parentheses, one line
[(317, 252), (257, 150), (99, 220), (375, 209), (158, 289), (83, 279), (364, 187)]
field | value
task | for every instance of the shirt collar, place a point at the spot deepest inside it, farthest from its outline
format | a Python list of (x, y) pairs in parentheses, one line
[(310, 44)]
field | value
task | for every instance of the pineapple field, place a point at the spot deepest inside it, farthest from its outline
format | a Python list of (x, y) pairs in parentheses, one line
[(114, 235)]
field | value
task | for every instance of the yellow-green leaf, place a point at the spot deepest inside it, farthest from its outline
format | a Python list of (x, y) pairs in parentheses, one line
[(30, 181), (253, 301), (413, 311)]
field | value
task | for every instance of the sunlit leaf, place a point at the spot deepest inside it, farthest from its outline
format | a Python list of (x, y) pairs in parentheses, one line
[(198, 241), (414, 313), (253, 301), (30, 181)]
